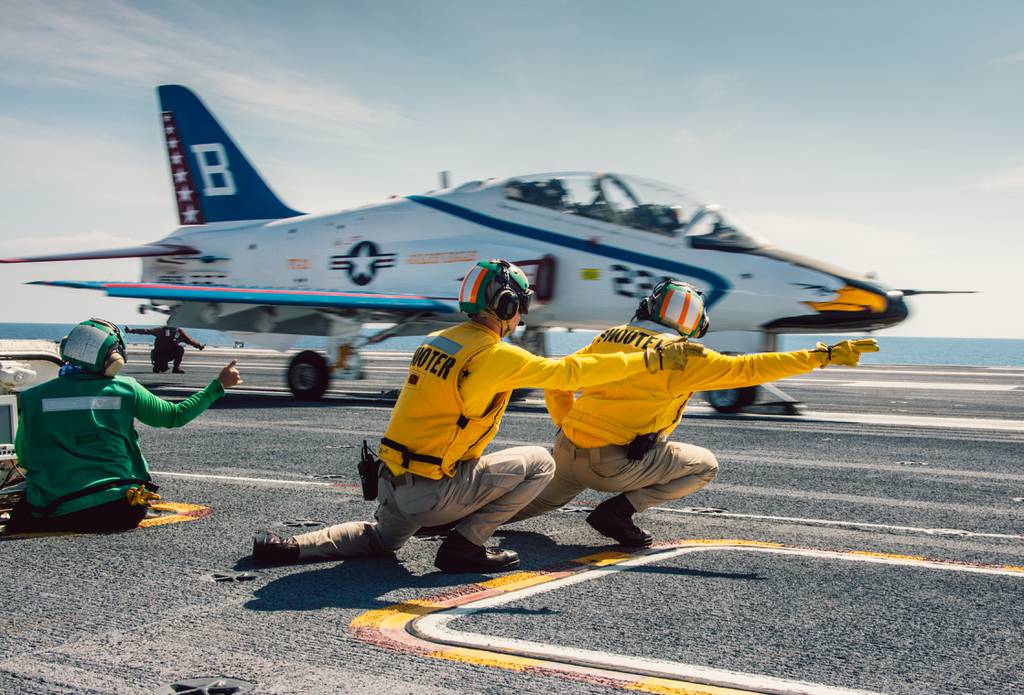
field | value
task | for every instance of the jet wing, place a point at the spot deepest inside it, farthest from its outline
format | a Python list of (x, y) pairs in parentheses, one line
[(267, 296), (144, 251)]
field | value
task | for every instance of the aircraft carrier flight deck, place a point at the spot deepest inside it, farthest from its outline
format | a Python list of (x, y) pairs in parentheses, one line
[(874, 543)]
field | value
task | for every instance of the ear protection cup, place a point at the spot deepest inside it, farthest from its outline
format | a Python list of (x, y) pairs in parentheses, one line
[(644, 310), (505, 302), (115, 363)]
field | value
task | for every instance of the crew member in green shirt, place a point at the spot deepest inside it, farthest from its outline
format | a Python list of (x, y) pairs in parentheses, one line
[(77, 442)]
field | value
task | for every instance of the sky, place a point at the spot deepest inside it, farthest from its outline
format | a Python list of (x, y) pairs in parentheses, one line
[(883, 137)]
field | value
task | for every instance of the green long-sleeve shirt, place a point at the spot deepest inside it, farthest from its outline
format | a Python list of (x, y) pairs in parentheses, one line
[(78, 431)]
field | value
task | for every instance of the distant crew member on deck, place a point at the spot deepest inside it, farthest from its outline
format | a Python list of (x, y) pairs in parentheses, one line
[(434, 470), (615, 437), (167, 346), (76, 440)]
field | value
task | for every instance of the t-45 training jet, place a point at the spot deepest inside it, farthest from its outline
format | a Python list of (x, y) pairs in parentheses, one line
[(594, 244)]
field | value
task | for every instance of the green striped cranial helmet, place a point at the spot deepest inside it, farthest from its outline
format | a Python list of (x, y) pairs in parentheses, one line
[(678, 305), (91, 344), (497, 286)]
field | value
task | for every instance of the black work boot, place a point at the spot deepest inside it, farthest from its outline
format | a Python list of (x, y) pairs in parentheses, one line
[(614, 518), (457, 555), (268, 548)]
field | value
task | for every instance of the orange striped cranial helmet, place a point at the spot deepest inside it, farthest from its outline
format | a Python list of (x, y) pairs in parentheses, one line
[(677, 305)]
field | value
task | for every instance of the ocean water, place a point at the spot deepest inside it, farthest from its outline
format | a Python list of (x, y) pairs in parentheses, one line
[(978, 352)]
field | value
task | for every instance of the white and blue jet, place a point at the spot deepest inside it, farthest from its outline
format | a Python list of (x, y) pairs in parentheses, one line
[(594, 243)]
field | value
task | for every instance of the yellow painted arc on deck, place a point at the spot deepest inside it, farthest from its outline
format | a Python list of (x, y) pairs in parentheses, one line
[(493, 659), (609, 557), (395, 617), (398, 616), (663, 686), (725, 541), (516, 581)]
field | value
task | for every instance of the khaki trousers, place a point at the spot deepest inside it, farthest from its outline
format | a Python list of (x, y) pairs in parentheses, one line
[(669, 471), (484, 493)]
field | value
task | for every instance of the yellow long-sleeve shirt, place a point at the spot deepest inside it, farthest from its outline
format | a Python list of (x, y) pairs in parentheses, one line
[(458, 386), (506, 367), (616, 412)]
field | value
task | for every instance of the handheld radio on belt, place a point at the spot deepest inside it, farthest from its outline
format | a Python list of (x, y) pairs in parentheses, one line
[(369, 465), (641, 444)]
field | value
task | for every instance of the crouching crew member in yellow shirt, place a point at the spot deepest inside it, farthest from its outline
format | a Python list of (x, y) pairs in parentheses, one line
[(449, 409), (614, 437)]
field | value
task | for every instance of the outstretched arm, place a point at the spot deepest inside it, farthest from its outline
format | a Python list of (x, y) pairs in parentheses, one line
[(157, 412), (190, 340), (717, 371), (142, 331)]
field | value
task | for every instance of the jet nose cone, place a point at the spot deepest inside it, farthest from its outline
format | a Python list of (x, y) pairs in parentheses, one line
[(897, 310), (857, 306)]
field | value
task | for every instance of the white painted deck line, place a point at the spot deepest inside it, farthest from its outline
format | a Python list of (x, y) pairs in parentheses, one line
[(995, 424), (694, 511), (243, 479), (434, 627), (920, 385), (984, 372), (697, 511)]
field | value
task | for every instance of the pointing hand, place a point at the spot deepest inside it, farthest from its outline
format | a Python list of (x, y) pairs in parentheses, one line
[(229, 376), (846, 353), (671, 355)]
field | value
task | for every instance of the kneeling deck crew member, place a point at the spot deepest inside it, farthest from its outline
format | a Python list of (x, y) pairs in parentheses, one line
[(449, 409), (168, 346), (614, 437), (84, 470)]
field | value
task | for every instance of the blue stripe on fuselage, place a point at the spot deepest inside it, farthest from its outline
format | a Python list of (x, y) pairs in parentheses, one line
[(719, 285)]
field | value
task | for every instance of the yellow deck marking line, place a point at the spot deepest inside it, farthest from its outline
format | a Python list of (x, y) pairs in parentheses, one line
[(419, 626), (662, 686), (175, 513), (179, 512)]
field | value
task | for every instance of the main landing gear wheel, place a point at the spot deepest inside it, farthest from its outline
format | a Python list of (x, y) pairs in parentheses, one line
[(308, 376), (731, 400)]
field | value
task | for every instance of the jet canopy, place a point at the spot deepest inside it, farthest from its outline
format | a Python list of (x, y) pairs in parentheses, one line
[(632, 202)]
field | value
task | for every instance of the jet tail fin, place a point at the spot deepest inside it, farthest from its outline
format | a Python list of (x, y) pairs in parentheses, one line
[(213, 181)]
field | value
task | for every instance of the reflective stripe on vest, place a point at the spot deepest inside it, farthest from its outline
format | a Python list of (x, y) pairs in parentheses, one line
[(429, 431), (54, 405)]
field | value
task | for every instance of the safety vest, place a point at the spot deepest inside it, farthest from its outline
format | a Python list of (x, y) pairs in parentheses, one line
[(616, 412), (79, 433), (430, 431)]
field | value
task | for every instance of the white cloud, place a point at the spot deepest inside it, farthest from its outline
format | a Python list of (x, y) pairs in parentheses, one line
[(1010, 180), (1007, 60), (106, 41), (40, 159)]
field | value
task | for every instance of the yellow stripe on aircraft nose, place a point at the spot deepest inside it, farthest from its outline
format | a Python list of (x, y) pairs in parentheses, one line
[(850, 298)]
